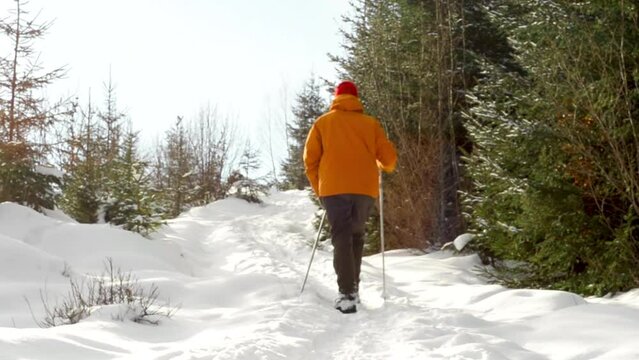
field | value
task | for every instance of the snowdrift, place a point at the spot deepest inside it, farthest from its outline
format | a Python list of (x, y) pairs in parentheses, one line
[(235, 269)]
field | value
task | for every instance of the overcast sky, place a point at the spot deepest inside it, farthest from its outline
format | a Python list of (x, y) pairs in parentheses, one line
[(171, 57)]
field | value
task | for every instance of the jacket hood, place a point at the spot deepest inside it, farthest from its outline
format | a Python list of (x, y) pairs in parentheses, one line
[(347, 102)]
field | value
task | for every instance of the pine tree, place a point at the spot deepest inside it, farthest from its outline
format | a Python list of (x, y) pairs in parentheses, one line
[(25, 117), (404, 57), (94, 145), (20, 179), (178, 175), (106, 180), (554, 149), (250, 160), (309, 105), (192, 161), (83, 165), (245, 185), (111, 123), (131, 203)]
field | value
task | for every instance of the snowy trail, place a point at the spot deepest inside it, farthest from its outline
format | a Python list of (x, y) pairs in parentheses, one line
[(271, 241), (236, 269)]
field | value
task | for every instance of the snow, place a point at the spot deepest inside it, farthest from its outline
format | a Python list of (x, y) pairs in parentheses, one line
[(462, 240), (235, 271), (49, 171)]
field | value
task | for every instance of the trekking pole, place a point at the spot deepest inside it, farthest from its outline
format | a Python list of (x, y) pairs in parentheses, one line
[(381, 232), (313, 253)]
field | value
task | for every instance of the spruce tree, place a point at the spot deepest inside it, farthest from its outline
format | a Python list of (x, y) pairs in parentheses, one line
[(404, 57), (21, 181), (250, 160), (111, 124), (24, 116), (93, 146), (247, 186), (192, 163), (308, 106), (131, 203), (83, 167), (552, 146), (106, 180), (179, 183)]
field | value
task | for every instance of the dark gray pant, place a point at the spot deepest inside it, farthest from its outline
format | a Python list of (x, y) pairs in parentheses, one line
[(347, 214)]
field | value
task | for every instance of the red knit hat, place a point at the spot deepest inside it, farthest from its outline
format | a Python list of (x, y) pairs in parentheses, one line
[(346, 87)]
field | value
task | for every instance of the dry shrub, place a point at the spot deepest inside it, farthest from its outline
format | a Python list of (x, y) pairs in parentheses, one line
[(411, 196), (113, 287)]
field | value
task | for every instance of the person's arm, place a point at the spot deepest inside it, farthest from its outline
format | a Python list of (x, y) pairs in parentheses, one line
[(385, 151), (312, 156)]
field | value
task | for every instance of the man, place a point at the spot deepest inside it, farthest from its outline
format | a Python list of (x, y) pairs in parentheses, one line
[(343, 154)]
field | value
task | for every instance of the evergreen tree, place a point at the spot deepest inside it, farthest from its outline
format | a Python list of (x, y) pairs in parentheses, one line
[(309, 105), (405, 58), (111, 124), (245, 186), (191, 164), (131, 203), (93, 147), (82, 185), (555, 147), (20, 179), (178, 157), (250, 160), (105, 178), (25, 117)]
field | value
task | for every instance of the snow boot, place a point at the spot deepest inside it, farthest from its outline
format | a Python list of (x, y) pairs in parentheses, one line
[(355, 296), (355, 293), (346, 303)]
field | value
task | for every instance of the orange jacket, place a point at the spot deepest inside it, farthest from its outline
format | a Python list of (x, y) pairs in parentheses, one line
[(344, 149)]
